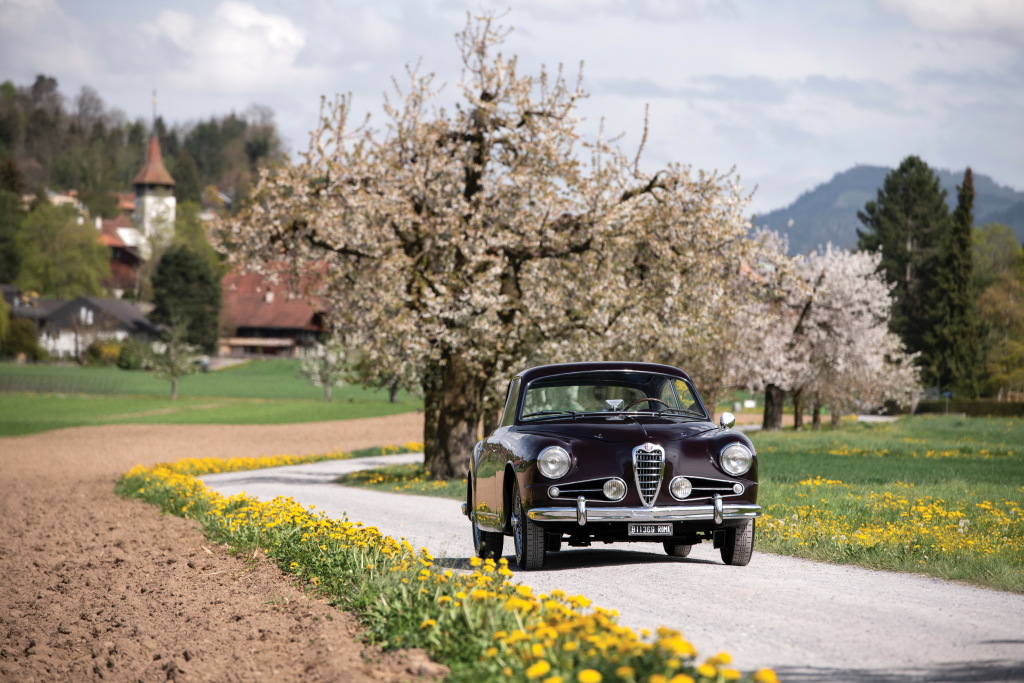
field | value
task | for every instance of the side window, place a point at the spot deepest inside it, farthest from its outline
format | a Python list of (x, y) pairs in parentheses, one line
[(509, 416), (686, 398)]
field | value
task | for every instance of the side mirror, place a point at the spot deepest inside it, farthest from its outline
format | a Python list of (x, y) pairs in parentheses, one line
[(726, 420)]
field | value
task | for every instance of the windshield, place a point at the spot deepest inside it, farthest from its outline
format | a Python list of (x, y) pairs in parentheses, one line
[(609, 392)]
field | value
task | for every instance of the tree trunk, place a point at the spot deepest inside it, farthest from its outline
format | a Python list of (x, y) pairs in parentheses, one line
[(816, 417), (393, 392), (327, 391), (452, 397), (174, 388), (773, 400), (798, 410), (837, 416)]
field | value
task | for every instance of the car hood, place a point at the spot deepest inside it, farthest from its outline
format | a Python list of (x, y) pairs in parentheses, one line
[(616, 432)]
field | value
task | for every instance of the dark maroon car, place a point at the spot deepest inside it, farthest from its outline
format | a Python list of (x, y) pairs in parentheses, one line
[(611, 452)]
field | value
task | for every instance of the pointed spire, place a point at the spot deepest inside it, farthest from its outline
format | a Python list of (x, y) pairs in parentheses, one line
[(153, 172)]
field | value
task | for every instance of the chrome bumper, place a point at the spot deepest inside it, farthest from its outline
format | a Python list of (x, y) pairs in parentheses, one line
[(581, 514)]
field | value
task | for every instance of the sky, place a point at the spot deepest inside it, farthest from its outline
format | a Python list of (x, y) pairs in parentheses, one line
[(785, 92)]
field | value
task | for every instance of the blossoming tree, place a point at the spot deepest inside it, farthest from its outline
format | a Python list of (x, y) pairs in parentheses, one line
[(472, 242)]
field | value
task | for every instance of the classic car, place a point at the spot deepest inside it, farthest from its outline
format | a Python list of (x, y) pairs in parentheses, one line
[(608, 452)]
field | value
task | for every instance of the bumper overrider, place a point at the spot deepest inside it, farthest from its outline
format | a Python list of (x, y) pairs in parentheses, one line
[(718, 511)]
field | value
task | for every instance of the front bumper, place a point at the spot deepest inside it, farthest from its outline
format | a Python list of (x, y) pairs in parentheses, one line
[(718, 511)]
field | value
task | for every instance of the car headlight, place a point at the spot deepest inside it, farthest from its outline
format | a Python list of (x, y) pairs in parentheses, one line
[(553, 462), (736, 459), (680, 487), (614, 489)]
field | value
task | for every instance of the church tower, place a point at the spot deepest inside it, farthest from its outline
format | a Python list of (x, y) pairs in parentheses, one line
[(154, 200)]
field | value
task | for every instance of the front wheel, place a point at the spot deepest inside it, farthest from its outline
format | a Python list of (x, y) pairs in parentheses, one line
[(739, 544), (488, 544), (528, 536)]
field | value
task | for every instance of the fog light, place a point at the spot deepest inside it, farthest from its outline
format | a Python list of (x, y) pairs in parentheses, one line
[(737, 488), (680, 487), (615, 489), (554, 492)]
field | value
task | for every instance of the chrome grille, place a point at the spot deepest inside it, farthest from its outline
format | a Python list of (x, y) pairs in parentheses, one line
[(648, 466)]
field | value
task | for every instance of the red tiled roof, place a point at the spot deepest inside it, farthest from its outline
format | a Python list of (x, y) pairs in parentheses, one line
[(246, 304), (125, 201), (108, 230), (153, 172)]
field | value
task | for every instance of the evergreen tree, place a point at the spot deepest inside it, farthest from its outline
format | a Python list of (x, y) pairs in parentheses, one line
[(186, 288), (11, 215), (910, 225), (954, 334), (187, 186), (190, 232)]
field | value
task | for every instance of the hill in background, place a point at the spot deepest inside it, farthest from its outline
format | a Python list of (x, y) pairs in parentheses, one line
[(828, 213)]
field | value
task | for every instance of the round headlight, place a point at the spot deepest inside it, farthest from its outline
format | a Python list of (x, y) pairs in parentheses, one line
[(615, 489), (736, 459), (553, 462), (680, 487)]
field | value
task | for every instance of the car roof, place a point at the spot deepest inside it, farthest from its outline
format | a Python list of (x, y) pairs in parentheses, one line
[(598, 366)]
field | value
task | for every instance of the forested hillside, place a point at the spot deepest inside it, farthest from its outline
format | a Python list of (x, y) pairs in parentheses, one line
[(61, 142), (828, 213)]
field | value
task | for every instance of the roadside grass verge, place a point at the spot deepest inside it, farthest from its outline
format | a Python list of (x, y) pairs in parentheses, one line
[(931, 495), (409, 479), (475, 621)]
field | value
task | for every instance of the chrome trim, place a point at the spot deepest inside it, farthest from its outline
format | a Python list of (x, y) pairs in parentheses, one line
[(581, 511), (648, 470), (719, 510), (669, 514)]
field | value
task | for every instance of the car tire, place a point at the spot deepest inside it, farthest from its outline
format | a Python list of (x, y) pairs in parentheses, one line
[(488, 544), (738, 545), (528, 536), (677, 549)]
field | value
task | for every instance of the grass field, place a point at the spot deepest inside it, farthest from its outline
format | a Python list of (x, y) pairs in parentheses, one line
[(938, 495), (933, 495), (36, 398)]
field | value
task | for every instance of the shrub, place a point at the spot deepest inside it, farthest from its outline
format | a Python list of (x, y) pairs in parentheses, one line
[(132, 355), (22, 338), (104, 352), (975, 408)]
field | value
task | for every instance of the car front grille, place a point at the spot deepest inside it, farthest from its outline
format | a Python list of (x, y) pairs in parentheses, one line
[(649, 466)]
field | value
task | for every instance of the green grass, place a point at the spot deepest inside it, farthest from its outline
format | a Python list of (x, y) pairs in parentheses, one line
[(409, 478), (39, 398), (937, 495)]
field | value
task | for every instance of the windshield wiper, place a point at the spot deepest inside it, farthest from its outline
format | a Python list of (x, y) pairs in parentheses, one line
[(542, 414)]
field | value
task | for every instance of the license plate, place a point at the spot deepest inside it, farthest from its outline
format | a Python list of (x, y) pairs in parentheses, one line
[(650, 529)]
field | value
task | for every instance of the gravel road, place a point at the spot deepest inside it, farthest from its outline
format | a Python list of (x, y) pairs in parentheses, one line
[(809, 621)]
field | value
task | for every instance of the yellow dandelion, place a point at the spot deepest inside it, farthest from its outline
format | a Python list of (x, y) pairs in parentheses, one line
[(538, 669)]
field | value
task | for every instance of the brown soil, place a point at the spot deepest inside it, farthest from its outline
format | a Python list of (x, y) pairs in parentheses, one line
[(95, 587)]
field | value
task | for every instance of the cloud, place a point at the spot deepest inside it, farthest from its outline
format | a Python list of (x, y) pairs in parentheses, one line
[(644, 10), (36, 36), (239, 49), (1002, 19)]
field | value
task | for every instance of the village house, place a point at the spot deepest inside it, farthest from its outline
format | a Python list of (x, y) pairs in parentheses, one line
[(264, 319)]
